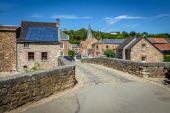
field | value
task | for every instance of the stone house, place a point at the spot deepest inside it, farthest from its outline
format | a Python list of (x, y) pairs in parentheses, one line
[(86, 46), (38, 45), (100, 46), (7, 48), (139, 49), (65, 45)]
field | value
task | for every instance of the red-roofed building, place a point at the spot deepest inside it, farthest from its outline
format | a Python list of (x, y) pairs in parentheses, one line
[(158, 40)]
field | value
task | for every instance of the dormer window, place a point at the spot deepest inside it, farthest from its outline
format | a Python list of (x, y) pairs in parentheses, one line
[(26, 45), (107, 46)]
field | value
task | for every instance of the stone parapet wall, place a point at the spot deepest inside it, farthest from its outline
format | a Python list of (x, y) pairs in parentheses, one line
[(21, 89), (141, 69)]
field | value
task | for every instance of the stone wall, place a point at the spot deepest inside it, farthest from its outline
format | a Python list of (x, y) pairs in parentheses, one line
[(99, 48), (7, 49), (21, 89), (141, 69)]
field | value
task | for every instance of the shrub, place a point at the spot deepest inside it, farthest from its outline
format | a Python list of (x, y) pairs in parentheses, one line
[(71, 53), (166, 58), (109, 53)]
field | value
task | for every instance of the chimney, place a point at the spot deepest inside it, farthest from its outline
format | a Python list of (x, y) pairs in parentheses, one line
[(58, 22)]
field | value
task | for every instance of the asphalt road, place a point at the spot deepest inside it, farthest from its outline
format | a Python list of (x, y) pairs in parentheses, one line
[(105, 90)]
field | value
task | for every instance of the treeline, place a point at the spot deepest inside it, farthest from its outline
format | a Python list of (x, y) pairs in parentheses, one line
[(79, 35)]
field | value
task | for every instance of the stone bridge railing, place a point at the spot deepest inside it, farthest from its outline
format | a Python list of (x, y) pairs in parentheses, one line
[(21, 89), (141, 69)]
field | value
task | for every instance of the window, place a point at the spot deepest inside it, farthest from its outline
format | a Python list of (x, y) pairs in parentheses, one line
[(143, 58), (30, 56), (26, 45), (25, 67), (143, 46), (107, 46), (44, 56), (61, 53), (62, 45), (97, 47)]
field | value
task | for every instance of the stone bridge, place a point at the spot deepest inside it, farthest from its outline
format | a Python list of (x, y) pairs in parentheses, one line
[(101, 89)]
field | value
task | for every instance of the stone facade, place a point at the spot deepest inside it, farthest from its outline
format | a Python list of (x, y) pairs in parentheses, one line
[(87, 47), (23, 89), (151, 53), (53, 52), (7, 49), (64, 48), (99, 48), (141, 69)]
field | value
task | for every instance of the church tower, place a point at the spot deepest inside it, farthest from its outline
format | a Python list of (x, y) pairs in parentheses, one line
[(89, 33)]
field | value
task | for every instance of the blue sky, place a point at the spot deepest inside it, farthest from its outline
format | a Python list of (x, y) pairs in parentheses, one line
[(151, 16)]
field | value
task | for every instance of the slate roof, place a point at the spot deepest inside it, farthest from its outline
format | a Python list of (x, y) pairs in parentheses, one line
[(158, 40), (121, 46), (38, 32), (64, 36), (133, 43), (75, 45)]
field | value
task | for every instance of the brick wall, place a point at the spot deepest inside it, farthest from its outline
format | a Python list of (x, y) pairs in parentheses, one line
[(7, 50)]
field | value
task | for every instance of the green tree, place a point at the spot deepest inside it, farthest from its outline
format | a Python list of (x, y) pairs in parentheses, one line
[(109, 53), (132, 33), (71, 53)]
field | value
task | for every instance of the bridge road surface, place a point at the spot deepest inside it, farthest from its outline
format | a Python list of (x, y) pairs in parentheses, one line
[(105, 90)]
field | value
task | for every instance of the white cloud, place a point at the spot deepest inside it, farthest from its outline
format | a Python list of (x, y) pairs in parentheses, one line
[(161, 15), (70, 17), (113, 20)]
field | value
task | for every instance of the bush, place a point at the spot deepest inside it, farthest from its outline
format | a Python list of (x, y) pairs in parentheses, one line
[(109, 53), (166, 58), (71, 53)]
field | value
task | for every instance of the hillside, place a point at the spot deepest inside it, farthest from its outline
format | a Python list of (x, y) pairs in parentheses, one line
[(78, 35)]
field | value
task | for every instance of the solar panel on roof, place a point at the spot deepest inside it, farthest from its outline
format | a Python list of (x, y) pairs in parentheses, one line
[(41, 34)]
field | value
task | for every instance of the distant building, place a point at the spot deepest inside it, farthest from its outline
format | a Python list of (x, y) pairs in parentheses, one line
[(163, 44), (86, 46), (100, 46), (7, 48), (38, 44), (64, 46), (76, 48), (142, 49)]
